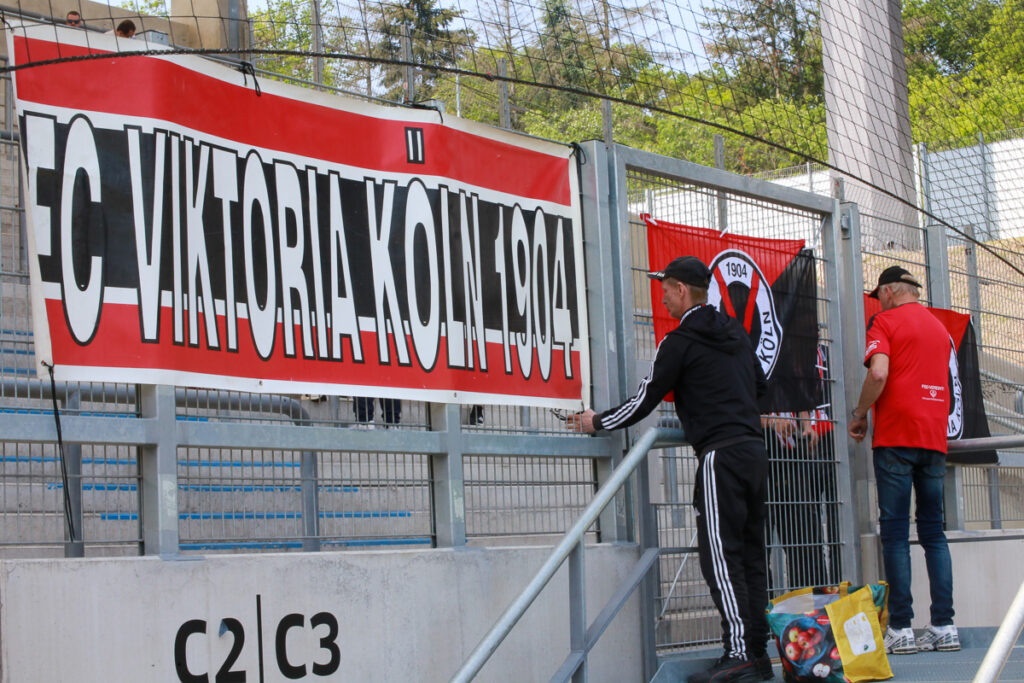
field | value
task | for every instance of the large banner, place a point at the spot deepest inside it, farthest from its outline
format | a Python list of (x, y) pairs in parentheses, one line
[(967, 418), (189, 228), (768, 285)]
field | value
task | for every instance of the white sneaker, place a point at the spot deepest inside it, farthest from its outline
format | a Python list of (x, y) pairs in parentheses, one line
[(941, 638), (900, 641), (364, 425)]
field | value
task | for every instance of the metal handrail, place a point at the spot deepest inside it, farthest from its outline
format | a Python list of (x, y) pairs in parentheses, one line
[(652, 438), (998, 652)]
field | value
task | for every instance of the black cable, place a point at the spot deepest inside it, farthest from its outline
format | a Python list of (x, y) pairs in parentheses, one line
[(248, 69), (547, 86), (63, 463)]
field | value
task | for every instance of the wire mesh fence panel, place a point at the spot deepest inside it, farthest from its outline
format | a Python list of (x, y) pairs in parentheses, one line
[(33, 506), (33, 502), (993, 497), (230, 499), (514, 500), (110, 500), (802, 515), (374, 499), (234, 500)]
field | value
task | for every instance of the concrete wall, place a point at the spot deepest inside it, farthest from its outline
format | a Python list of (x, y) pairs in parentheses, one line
[(986, 576), (401, 616)]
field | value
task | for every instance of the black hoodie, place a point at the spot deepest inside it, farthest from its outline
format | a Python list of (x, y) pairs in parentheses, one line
[(709, 363)]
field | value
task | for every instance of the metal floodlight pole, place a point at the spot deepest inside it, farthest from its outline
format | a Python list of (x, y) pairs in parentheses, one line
[(318, 48), (410, 74)]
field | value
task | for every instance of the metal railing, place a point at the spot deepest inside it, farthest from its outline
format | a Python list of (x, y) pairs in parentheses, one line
[(999, 651), (582, 636)]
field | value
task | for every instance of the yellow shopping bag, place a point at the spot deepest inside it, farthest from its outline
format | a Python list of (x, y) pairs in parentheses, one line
[(858, 636)]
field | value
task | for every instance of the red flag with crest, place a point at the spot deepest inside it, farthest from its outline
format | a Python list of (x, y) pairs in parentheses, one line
[(769, 286)]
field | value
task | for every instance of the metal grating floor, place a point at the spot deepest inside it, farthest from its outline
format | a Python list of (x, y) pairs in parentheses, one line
[(928, 667)]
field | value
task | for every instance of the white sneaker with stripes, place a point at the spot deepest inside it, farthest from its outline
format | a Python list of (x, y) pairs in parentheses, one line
[(941, 638), (900, 641)]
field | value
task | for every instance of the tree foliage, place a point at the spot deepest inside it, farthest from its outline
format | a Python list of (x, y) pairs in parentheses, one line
[(434, 40), (965, 65)]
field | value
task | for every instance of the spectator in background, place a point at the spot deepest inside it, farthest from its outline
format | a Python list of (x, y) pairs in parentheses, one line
[(799, 474), (802, 480), (907, 357), (73, 18), (126, 29), (390, 407)]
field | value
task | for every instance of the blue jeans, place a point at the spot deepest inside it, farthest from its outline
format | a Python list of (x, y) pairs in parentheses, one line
[(392, 408), (896, 470)]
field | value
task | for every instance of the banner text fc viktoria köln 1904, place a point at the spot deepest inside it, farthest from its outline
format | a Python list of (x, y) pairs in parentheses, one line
[(187, 229)]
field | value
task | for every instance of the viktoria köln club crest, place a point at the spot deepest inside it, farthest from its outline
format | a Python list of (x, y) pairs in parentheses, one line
[(740, 290)]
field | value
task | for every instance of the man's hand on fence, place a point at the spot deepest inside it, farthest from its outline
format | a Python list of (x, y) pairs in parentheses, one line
[(581, 422)]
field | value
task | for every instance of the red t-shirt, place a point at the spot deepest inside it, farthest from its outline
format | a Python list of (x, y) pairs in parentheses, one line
[(913, 409)]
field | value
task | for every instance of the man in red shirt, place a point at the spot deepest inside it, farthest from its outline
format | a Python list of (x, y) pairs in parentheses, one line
[(907, 358)]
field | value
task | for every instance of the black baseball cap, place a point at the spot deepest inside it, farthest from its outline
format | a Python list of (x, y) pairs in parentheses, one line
[(688, 269), (892, 275)]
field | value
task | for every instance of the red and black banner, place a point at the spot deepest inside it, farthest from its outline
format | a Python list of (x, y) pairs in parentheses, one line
[(769, 286), (967, 418), (191, 229)]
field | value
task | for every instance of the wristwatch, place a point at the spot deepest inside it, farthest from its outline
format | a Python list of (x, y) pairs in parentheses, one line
[(854, 413)]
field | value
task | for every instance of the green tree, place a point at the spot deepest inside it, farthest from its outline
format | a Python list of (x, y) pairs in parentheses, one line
[(769, 48), (942, 36), (289, 25), (434, 41)]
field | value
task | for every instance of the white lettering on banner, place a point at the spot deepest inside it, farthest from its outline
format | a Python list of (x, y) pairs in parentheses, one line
[(419, 219), (198, 263), (178, 305), (314, 247), (471, 280), (289, 203), (343, 308), (385, 292), (225, 188), (541, 296), (521, 262), (82, 303), (147, 251), (262, 319), (455, 337), (499, 260), (284, 276), (40, 153), (561, 316)]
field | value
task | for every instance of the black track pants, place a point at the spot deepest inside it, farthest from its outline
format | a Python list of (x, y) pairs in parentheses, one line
[(729, 495)]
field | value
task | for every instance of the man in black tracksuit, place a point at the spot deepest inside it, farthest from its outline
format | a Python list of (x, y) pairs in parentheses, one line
[(709, 363)]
